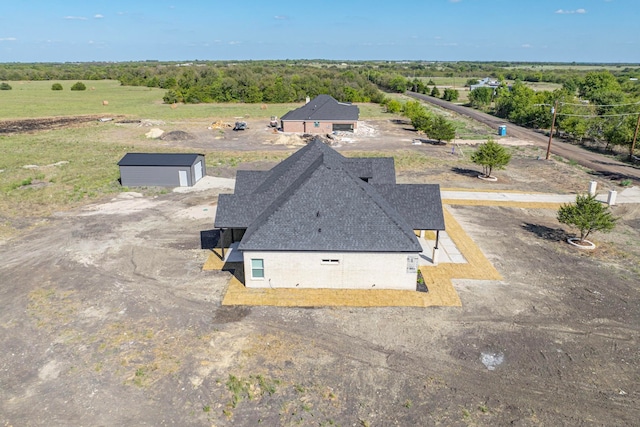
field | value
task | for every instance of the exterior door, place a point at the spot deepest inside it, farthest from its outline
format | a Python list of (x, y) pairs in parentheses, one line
[(198, 171), (182, 175)]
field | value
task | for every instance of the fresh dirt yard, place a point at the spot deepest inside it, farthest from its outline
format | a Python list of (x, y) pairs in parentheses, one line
[(106, 317)]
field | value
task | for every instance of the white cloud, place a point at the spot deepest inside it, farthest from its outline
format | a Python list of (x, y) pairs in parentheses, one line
[(76, 18), (281, 17), (8, 39), (233, 42), (455, 1), (571, 12), (526, 45), (98, 16)]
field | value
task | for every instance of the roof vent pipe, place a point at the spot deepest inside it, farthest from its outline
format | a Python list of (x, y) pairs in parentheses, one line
[(307, 100)]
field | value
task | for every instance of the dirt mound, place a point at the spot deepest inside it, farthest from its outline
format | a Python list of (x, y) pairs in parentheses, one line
[(177, 135), (287, 139), (154, 133)]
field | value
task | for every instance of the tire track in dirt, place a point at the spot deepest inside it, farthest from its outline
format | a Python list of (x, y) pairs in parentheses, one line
[(497, 387)]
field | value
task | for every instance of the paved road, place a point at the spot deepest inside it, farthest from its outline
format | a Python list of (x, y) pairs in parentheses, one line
[(600, 164)]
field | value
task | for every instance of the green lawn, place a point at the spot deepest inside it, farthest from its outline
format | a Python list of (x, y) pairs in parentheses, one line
[(29, 99), (72, 166)]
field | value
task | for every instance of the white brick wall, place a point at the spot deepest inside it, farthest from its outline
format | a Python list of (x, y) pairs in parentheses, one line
[(353, 270)]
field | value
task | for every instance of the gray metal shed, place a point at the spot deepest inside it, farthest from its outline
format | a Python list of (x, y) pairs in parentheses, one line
[(161, 169)]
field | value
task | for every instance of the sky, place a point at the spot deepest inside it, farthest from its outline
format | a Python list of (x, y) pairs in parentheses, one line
[(429, 30)]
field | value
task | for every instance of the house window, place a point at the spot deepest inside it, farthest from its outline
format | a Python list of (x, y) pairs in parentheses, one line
[(257, 269), (316, 124), (330, 261)]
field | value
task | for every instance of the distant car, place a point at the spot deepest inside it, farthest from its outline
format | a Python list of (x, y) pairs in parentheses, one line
[(240, 126)]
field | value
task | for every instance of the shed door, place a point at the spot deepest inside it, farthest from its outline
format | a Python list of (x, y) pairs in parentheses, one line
[(198, 171), (182, 175)]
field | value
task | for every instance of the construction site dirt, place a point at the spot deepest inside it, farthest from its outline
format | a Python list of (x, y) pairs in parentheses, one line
[(107, 318)]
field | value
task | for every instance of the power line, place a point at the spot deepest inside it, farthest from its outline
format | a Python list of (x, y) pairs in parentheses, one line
[(597, 115), (598, 105), (587, 105)]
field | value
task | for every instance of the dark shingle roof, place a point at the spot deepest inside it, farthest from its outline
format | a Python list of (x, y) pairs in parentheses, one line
[(324, 107), (158, 159), (315, 200), (248, 181), (419, 204), (330, 209), (378, 170)]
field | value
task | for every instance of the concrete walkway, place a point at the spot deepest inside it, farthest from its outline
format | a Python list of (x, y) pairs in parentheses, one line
[(624, 196)]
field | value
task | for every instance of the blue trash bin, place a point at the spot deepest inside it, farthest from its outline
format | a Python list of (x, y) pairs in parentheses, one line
[(502, 130)]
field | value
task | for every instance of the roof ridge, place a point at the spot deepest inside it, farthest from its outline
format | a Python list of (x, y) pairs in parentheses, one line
[(383, 204), (283, 197), (363, 195)]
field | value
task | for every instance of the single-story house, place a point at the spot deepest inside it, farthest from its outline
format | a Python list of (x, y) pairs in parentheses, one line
[(321, 220), (323, 114), (486, 82), (161, 169)]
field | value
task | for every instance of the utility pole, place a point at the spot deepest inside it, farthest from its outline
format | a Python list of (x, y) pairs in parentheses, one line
[(553, 122), (635, 137)]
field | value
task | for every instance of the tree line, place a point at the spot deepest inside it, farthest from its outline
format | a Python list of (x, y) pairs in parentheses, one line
[(594, 108), (592, 105)]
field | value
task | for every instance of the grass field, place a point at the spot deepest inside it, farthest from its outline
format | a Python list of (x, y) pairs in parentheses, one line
[(29, 99), (54, 170)]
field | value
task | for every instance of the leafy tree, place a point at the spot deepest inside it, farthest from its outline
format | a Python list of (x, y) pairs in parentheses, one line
[(56, 86), (431, 83), (435, 92), (171, 97), (471, 82), (577, 127), (442, 129), (398, 84), (517, 104), (619, 131), (450, 95), (597, 81), (413, 109), (393, 106), (491, 155), (78, 86), (481, 97), (587, 215), (422, 123), (5, 86)]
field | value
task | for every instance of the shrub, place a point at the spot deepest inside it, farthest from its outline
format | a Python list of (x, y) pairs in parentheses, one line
[(5, 86), (442, 129), (491, 155), (78, 86), (450, 95), (587, 215), (435, 92), (422, 122), (393, 106), (171, 97), (56, 86)]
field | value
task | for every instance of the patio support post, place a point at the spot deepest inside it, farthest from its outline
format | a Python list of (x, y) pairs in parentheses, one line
[(434, 256), (222, 241)]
